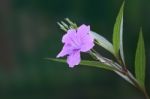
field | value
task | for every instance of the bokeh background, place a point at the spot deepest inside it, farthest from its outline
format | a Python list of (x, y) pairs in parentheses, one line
[(29, 33)]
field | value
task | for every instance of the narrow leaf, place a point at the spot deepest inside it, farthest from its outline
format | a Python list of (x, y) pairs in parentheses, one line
[(96, 64), (140, 60), (118, 33), (103, 42), (87, 63), (121, 42)]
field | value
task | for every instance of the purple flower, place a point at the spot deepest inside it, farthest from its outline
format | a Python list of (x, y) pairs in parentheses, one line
[(76, 41)]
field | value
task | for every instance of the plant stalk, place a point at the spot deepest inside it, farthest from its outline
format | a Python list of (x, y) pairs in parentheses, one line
[(120, 68), (138, 86), (126, 72)]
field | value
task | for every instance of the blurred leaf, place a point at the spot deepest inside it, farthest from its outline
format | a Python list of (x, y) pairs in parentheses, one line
[(140, 60), (87, 63), (102, 42), (118, 33), (96, 64)]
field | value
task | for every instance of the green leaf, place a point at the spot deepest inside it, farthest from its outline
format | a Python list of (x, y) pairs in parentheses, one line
[(96, 64), (118, 34), (140, 60), (103, 42), (87, 63)]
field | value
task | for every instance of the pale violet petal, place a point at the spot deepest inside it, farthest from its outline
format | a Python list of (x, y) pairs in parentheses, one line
[(74, 59), (87, 47), (67, 49), (83, 30), (71, 38), (87, 43), (68, 36)]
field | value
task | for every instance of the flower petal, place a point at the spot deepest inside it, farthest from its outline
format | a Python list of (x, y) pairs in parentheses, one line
[(74, 59), (68, 36), (71, 38), (67, 49), (83, 30), (87, 43)]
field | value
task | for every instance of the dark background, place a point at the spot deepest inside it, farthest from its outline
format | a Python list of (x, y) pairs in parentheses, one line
[(29, 33)]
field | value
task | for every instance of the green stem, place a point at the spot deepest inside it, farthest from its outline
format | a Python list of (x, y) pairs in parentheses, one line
[(138, 86), (120, 61), (135, 82), (122, 69), (146, 94)]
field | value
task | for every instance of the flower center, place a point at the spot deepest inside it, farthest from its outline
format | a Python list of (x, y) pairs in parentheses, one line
[(76, 49)]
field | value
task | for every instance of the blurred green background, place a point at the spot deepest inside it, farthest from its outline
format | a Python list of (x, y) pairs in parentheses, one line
[(29, 33)]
